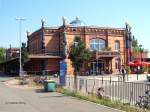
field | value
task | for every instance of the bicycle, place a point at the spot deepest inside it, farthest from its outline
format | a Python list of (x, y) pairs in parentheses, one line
[(144, 101), (39, 79), (100, 92)]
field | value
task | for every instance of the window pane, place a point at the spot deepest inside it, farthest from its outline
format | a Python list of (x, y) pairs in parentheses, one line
[(92, 47), (97, 41), (97, 44), (117, 45), (92, 41), (102, 44), (97, 47)]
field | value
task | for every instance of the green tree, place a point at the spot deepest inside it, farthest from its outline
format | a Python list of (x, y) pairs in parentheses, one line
[(135, 46), (134, 42), (2, 54), (24, 54), (78, 54)]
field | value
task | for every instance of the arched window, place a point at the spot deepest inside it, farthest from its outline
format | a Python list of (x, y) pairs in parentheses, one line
[(97, 44), (117, 45)]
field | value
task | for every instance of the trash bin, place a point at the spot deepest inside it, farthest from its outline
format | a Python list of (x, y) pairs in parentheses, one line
[(49, 85)]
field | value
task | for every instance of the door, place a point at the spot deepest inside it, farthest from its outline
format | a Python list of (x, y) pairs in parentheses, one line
[(97, 66)]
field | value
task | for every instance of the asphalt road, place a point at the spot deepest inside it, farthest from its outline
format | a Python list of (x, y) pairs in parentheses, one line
[(18, 100)]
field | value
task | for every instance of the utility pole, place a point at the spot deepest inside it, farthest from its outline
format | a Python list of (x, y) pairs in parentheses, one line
[(20, 19)]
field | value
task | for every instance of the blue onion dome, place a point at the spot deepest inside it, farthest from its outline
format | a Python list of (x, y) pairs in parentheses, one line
[(77, 22)]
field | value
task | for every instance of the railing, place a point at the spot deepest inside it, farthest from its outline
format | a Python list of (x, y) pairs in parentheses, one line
[(126, 92)]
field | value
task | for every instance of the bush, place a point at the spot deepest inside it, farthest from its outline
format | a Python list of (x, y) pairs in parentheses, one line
[(128, 69)]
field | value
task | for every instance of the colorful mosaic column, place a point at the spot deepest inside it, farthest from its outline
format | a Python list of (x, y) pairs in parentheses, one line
[(63, 63), (128, 43)]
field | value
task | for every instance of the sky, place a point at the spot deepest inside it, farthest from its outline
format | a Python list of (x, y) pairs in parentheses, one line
[(103, 13)]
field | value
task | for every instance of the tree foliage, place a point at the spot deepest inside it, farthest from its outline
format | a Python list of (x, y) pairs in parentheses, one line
[(2, 54), (135, 46), (134, 42), (78, 54)]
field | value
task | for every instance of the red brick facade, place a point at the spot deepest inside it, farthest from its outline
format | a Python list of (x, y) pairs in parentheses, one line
[(49, 46)]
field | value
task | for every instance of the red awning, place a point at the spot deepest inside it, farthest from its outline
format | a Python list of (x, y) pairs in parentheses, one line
[(131, 64), (146, 64), (139, 63)]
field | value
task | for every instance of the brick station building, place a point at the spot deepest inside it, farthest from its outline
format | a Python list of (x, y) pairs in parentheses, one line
[(48, 47)]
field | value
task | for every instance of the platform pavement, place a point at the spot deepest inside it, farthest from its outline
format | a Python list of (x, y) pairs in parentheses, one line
[(116, 77), (16, 100)]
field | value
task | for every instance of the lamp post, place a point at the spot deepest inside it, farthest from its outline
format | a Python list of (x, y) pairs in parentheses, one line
[(138, 68), (20, 19)]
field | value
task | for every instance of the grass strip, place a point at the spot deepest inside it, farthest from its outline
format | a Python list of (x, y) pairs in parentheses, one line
[(104, 101)]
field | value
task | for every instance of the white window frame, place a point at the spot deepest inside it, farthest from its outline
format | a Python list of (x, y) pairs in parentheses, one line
[(101, 43)]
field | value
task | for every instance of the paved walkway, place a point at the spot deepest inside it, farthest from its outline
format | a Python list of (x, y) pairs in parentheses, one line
[(128, 78), (18, 100)]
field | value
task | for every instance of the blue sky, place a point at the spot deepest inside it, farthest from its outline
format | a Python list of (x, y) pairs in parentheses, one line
[(112, 13)]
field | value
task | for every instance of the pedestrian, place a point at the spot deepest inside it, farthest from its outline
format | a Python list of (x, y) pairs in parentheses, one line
[(87, 73), (102, 72), (111, 71), (123, 71)]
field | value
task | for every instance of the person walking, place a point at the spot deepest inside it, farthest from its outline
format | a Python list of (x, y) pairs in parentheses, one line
[(123, 71)]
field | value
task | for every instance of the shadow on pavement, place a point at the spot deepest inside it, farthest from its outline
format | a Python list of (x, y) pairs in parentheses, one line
[(40, 91), (51, 94), (3, 75)]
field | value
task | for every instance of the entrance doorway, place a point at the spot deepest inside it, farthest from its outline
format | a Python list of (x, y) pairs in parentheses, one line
[(97, 66)]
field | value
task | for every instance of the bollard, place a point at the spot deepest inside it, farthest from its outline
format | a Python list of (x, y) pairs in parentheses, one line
[(86, 86), (110, 79), (137, 76), (102, 79), (127, 77)]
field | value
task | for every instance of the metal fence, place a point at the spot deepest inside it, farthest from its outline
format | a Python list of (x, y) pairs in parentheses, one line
[(126, 92)]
